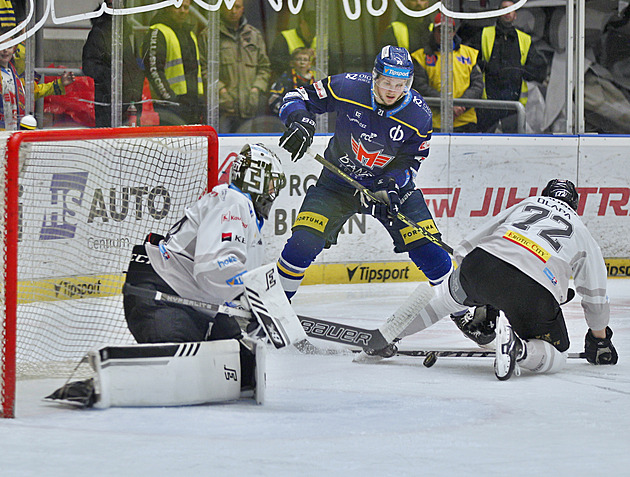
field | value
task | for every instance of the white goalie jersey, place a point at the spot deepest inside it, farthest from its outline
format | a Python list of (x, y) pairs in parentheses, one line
[(546, 239), (205, 254)]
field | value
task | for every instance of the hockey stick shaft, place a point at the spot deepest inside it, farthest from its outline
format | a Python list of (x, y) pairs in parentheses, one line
[(367, 192), (463, 354), (314, 327)]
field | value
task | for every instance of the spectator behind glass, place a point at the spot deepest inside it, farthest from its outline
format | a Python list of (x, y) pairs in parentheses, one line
[(412, 33), (243, 69), (303, 36), (508, 59), (171, 64), (97, 64), (467, 77), (299, 74), (12, 105)]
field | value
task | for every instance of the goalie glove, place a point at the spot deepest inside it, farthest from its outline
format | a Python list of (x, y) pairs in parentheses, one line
[(299, 134), (386, 208), (600, 350)]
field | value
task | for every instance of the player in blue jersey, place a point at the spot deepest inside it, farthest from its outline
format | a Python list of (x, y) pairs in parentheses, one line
[(382, 135)]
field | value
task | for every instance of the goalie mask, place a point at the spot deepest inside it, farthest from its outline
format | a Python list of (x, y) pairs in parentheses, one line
[(563, 190), (392, 75), (258, 172)]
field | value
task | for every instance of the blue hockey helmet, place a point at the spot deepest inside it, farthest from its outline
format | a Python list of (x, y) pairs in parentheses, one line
[(563, 190), (393, 62)]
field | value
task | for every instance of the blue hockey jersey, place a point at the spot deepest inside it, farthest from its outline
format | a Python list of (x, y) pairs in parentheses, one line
[(369, 140)]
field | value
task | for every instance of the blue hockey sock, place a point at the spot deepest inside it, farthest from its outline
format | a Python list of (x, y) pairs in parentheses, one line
[(433, 261), (299, 252)]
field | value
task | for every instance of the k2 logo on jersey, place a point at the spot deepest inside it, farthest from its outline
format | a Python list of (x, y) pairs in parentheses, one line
[(369, 159)]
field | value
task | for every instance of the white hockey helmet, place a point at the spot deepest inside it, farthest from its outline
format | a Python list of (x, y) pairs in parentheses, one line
[(258, 172)]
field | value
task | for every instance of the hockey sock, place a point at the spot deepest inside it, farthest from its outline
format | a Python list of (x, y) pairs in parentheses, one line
[(299, 252), (542, 357), (441, 305), (434, 262)]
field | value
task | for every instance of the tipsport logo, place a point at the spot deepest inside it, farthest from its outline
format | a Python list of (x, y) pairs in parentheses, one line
[(369, 274), (396, 72)]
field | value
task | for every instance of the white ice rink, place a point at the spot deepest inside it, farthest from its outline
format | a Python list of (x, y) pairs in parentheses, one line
[(327, 416)]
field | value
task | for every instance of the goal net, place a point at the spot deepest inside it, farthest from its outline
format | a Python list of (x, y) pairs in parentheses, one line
[(75, 203)]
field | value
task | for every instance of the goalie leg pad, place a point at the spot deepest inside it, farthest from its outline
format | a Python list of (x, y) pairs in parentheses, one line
[(167, 374)]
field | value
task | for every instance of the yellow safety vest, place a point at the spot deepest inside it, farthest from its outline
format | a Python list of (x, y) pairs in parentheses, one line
[(294, 41), (464, 60), (488, 34), (174, 68), (401, 33)]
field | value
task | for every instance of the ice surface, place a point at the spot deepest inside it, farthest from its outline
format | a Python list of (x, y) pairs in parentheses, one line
[(328, 416)]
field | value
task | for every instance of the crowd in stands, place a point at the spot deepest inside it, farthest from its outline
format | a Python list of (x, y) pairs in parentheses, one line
[(494, 59)]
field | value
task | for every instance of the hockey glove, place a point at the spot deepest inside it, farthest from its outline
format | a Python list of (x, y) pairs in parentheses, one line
[(299, 135), (386, 208), (600, 350)]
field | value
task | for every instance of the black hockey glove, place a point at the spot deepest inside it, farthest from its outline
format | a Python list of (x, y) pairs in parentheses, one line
[(299, 134), (600, 350), (386, 208)]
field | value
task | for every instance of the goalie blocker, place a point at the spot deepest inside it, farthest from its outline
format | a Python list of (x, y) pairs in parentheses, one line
[(170, 374)]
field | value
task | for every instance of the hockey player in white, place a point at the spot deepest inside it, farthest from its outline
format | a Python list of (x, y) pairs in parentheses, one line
[(203, 257), (520, 262), (205, 254)]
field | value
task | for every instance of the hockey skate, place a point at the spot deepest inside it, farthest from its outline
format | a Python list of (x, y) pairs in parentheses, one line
[(375, 355), (509, 348), (76, 393), (478, 326)]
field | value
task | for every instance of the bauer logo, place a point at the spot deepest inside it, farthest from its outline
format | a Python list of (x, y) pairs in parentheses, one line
[(230, 374), (377, 273)]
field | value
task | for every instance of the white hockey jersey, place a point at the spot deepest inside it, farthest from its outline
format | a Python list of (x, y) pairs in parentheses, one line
[(546, 239), (205, 254)]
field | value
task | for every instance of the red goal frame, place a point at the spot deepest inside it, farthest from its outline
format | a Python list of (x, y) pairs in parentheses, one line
[(8, 343)]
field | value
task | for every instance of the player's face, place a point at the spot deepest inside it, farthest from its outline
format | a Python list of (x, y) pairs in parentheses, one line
[(389, 90)]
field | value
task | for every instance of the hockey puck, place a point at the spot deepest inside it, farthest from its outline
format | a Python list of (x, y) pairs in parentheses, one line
[(430, 359)]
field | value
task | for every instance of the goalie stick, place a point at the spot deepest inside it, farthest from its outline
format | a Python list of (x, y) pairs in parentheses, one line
[(368, 193), (316, 327)]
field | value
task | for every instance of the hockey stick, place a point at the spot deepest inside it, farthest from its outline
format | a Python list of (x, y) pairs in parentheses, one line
[(431, 356), (368, 193), (314, 327)]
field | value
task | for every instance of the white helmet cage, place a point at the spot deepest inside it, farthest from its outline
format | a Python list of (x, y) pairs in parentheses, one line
[(258, 172)]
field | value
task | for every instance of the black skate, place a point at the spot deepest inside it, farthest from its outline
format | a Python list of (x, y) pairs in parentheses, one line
[(374, 355), (77, 393)]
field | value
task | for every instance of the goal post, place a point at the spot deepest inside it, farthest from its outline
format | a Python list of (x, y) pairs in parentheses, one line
[(75, 202)]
